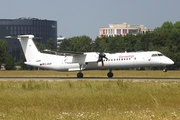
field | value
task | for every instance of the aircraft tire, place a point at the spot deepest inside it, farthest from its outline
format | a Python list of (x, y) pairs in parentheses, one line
[(80, 75), (165, 70), (110, 74)]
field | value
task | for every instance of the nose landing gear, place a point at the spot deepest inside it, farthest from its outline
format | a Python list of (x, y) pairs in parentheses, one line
[(165, 70)]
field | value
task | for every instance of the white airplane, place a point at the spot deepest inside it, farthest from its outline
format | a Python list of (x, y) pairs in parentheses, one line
[(78, 61)]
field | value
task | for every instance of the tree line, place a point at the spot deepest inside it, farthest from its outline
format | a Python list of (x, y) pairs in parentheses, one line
[(165, 39)]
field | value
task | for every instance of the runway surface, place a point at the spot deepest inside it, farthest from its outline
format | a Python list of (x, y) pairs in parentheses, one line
[(86, 78)]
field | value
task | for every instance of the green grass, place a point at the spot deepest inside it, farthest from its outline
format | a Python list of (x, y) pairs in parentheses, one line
[(93, 100)]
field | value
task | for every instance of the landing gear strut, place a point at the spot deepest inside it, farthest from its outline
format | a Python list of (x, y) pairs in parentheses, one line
[(110, 74), (80, 74), (165, 70)]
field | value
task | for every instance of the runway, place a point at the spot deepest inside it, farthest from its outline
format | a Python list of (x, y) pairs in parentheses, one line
[(86, 78)]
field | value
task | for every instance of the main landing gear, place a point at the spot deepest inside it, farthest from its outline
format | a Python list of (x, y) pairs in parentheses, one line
[(80, 74), (110, 74)]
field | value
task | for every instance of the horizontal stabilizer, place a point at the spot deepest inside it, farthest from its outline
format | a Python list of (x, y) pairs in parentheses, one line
[(28, 46), (23, 36), (11, 37)]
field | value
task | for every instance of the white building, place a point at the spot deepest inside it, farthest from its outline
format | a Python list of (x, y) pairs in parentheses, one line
[(122, 29), (59, 41)]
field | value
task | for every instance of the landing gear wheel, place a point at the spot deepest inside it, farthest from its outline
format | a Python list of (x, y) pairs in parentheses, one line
[(110, 74), (80, 75), (165, 70)]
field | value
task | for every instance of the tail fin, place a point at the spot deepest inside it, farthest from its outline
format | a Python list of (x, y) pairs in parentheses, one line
[(29, 48)]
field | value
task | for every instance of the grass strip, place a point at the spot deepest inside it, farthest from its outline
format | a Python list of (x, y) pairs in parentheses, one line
[(93, 100)]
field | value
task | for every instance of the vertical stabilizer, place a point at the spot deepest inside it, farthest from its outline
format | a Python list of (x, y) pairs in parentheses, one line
[(30, 50)]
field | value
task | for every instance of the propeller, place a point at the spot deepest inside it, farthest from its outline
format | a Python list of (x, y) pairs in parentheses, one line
[(101, 56)]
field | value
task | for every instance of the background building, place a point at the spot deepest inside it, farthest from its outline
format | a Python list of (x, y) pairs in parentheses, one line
[(59, 41), (40, 28), (122, 29)]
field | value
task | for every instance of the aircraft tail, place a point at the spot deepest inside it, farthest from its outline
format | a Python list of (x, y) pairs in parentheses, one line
[(29, 48)]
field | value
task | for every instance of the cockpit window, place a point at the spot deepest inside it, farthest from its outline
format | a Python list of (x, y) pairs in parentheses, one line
[(156, 55), (160, 54)]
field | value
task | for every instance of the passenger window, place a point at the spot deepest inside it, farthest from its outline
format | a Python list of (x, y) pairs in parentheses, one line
[(154, 55)]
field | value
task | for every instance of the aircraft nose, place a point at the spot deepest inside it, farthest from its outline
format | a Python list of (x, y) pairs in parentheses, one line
[(169, 62)]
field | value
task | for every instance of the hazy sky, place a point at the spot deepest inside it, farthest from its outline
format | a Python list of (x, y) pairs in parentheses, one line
[(85, 17)]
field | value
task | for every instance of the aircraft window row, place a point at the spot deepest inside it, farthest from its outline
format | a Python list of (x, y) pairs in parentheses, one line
[(120, 59), (156, 55)]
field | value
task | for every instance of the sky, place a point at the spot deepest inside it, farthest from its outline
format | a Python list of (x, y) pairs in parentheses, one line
[(85, 17)]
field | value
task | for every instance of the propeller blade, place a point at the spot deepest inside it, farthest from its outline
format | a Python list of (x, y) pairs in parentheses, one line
[(102, 63), (100, 58)]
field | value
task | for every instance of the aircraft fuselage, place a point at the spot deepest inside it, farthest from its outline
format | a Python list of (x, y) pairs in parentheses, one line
[(114, 61)]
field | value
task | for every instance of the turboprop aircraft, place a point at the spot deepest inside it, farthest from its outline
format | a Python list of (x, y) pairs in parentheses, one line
[(79, 61)]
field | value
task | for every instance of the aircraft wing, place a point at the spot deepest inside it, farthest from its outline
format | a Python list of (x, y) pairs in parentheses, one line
[(70, 53), (77, 57), (65, 53)]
